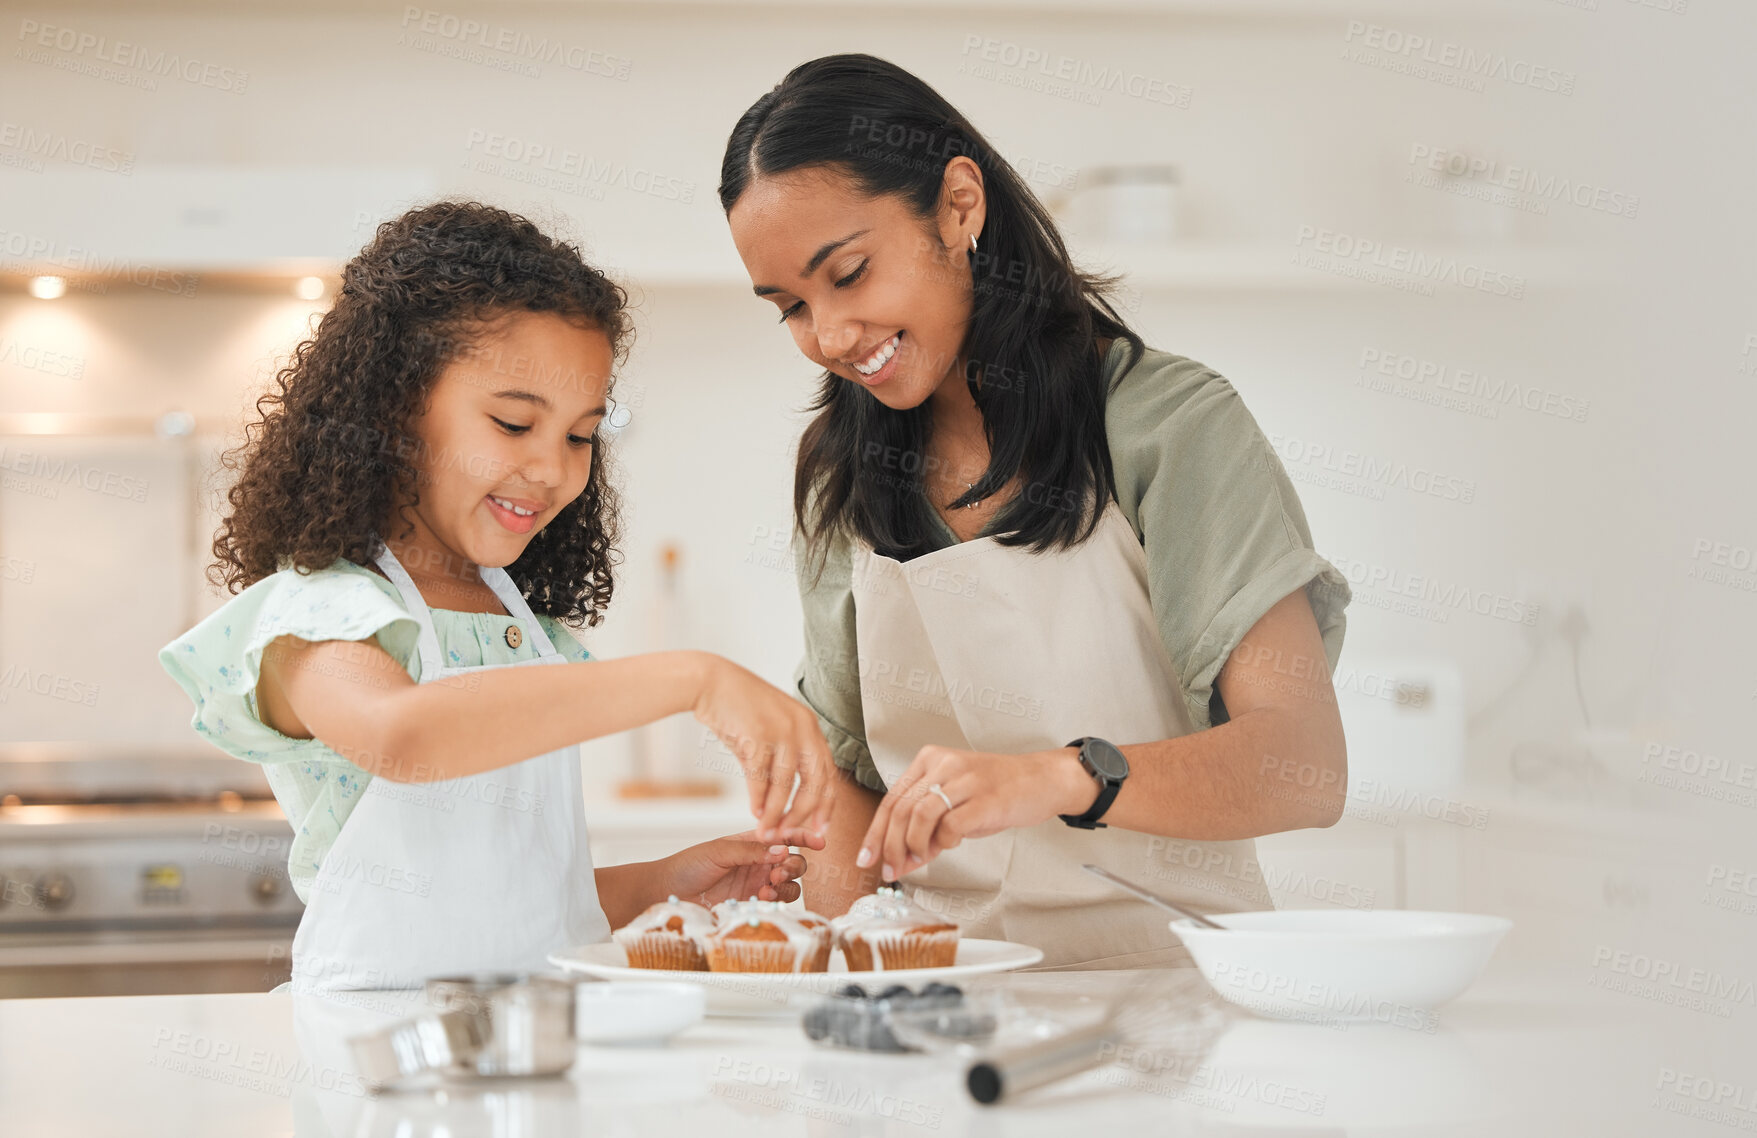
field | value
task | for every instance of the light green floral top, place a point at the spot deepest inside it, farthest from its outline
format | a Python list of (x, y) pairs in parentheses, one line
[(217, 663)]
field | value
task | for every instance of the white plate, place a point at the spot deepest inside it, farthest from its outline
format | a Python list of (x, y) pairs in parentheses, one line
[(772, 993)]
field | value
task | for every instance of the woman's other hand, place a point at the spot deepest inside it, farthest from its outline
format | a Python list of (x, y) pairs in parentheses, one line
[(979, 794)]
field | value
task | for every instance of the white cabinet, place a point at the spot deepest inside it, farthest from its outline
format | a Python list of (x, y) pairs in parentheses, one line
[(94, 566)]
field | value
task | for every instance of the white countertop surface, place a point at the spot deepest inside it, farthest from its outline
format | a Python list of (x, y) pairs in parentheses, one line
[(1520, 1054)]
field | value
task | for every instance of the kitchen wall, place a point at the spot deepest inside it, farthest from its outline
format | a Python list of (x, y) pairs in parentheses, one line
[(1600, 521)]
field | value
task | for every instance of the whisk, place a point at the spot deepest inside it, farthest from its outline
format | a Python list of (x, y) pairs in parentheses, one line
[(1173, 1015)]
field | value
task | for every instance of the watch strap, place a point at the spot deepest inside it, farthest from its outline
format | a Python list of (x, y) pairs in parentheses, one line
[(1107, 790)]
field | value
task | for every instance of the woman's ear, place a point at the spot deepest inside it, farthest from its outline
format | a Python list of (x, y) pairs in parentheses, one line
[(963, 204)]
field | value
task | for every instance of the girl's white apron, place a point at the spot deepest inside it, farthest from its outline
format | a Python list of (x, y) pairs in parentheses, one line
[(986, 647), (489, 872)]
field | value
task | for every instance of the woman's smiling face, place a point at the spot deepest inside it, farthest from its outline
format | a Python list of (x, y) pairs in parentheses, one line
[(869, 291), (507, 434)]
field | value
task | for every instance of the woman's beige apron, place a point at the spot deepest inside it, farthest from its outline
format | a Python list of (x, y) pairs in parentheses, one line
[(986, 647)]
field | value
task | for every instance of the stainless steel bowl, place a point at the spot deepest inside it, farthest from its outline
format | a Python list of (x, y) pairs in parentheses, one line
[(432, 1043), (525, 1020)]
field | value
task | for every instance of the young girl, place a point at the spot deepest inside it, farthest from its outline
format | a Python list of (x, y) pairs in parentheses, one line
[(421, 509)]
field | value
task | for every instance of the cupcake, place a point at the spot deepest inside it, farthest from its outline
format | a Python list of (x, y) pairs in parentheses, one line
[(668, 935), (761, 936), (885, 932)]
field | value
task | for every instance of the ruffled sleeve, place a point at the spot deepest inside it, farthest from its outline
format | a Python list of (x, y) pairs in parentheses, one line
[(218, 662), (1223, 531)]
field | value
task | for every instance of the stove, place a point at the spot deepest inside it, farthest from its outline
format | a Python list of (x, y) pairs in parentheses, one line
[(140, 870)]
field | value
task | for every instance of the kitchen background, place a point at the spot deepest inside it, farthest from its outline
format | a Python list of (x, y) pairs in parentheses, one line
[(1482, 271)]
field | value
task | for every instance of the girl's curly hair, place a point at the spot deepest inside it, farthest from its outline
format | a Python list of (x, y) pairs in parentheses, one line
[(334, 451)]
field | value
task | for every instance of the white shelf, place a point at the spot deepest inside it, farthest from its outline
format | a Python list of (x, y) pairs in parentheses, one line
[(249, 222), (1283, 11), (1223, 267), (1188, 266)]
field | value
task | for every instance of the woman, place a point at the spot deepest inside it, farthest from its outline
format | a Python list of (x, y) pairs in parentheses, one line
[(1061, 604)]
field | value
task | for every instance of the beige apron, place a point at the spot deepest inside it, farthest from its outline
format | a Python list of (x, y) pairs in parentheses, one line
[(986, 647)]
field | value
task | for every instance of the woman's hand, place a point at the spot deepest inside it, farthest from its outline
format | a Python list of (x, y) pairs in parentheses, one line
[(774, 737), (737, 868), (988, 793)]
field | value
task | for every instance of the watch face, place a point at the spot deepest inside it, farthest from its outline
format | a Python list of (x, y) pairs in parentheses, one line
[(1107, 760)]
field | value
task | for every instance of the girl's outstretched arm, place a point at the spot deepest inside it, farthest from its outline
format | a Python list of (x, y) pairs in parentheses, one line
[(356, 698)]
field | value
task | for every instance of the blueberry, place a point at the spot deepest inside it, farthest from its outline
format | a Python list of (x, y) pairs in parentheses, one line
[(860, 1033), (964, 1025), (852, 992), (878, 1037), (895, 992), (938, 989), (817, 1022)]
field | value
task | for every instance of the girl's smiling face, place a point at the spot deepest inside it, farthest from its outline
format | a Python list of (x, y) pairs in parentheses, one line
[(868, 290), (507, 435)]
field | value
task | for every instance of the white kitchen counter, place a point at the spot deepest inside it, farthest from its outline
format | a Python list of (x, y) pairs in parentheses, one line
[(1519, 1054)]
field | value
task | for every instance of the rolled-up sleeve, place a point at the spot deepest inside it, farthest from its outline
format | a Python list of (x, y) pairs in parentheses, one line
[(1222, 527), (828, 677)]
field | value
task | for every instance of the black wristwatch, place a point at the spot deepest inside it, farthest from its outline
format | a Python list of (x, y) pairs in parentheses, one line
[(1108, 768)]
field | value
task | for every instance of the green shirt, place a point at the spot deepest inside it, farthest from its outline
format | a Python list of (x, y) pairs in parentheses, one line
[(1222, 529), (219, 660)]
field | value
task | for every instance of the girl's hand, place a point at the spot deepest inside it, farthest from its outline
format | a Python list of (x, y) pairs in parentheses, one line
[(739, 867), (988, 793), (774, 737)]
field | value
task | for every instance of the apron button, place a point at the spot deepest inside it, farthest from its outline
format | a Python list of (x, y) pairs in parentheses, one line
[(514, 637)]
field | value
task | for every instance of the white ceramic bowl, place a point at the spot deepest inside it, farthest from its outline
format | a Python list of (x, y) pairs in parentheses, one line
[(1326, 965), (636, 1013)]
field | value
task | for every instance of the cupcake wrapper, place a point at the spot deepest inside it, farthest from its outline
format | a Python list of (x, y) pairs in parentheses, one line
[(903, 950), (663, 950), (767, 956)]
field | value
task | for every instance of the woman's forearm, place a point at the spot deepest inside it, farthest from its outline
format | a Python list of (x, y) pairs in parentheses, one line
[(1266, 771), (832, 880)]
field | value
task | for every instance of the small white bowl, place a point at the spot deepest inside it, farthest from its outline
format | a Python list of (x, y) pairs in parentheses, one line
[(1388, 966), (636, 1013)]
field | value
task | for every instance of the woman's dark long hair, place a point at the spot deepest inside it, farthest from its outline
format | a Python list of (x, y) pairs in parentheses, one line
[(1034, 367), (334, 454)]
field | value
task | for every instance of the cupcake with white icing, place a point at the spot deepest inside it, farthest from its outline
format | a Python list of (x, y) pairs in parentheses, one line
[(762, 936), (885, 932), (668, 935)]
